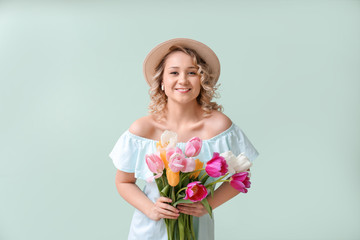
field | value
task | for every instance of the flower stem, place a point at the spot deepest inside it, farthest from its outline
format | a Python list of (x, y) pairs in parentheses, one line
[(197, 170), (202, 176), (219, 180), (180, 190), (162, 179)]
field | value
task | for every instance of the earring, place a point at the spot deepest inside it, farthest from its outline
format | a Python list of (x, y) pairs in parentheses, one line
[(162, 87)]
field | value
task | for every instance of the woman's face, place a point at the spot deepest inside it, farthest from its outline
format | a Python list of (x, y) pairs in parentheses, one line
[(180, 79)]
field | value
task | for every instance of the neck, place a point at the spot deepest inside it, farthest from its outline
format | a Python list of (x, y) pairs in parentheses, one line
[(180, 115)]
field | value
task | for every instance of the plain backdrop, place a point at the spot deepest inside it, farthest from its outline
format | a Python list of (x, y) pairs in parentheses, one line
[(71, 83)]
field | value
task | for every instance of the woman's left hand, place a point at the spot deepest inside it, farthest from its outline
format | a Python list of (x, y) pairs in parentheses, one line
[(196, 209)]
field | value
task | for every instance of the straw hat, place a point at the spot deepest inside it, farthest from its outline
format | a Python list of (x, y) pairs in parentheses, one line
[(157, 53)]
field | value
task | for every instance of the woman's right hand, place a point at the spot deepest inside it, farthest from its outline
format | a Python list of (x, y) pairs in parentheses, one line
[(161, 209)]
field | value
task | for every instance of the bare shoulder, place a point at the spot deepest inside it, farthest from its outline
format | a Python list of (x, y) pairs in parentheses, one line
[(143, 127), (217, 123)]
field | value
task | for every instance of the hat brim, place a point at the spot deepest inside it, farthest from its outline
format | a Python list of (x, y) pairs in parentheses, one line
[(154, 57)]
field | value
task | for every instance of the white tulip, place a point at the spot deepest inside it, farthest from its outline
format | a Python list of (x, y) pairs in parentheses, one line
[(236, 164), (168, 139)]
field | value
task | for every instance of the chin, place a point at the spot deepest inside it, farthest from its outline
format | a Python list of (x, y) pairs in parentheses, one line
[(184, 100)]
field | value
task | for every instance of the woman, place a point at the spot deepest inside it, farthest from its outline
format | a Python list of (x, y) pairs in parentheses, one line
[(182, 74)]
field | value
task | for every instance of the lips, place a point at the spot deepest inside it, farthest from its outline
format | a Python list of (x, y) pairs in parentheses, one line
[(183, 90)]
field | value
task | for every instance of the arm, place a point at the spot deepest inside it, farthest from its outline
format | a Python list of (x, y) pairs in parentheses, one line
[(125, 184), (222, 194)]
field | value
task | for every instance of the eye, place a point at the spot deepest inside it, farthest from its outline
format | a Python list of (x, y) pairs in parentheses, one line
[(174, 73), (192, 73)]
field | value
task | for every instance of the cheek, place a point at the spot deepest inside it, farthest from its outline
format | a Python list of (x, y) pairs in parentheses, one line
[(166, 81), (198, 85), (197, 91)]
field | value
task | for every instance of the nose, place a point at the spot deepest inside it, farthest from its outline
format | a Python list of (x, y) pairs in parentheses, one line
[(182, 78)]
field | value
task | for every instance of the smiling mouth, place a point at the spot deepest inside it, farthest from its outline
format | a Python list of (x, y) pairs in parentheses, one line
[(183, 90)]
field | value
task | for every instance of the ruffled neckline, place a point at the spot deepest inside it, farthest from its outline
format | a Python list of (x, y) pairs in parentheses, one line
[(224, 133)]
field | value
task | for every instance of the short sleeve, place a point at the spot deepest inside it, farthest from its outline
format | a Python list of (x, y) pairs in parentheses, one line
[(241, 144), (234, 140), (128, 155)]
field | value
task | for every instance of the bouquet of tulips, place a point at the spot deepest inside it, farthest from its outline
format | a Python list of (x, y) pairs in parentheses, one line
[(180, 176)]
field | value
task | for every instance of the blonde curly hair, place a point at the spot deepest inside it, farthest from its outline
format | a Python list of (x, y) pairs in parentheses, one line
[(158, 99)]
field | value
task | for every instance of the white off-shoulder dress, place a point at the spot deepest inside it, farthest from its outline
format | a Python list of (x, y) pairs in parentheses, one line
[(128, 155)]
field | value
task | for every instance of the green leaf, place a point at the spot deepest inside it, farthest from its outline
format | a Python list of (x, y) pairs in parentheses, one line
[(172, 223), (173, 194), (191, 223), (207, 206), (185, 182), (185, 176), (182, 201), (187, 227), (180, 196), (165, 191), (181, 227), (203, 181), (212, 190)]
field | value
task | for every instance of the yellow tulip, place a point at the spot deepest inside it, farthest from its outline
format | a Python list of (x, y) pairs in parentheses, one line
[(163, 158), (198, 165), (162, 151), (172, 177), (159, 146)]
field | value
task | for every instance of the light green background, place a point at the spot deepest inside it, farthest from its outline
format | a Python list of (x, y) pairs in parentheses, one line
[(71, 83)]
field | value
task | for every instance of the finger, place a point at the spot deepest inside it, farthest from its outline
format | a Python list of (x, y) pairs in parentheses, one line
[(167, 214), (164, 199), (193, 212), (189, 208), (163, 202), (167, 210), (168, 217), (168, 207), (189, 205), (186, 209), (188, 212), (196, 207)]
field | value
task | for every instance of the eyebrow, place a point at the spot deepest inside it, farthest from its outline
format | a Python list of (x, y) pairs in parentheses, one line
[(186, 68)]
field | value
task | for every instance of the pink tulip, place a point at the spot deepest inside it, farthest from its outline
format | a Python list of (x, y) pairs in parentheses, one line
[(155, 164), (217, 166), (177, 161), (193, 147), (240, 181), (195, 192), (171, 151), (189, 165)]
